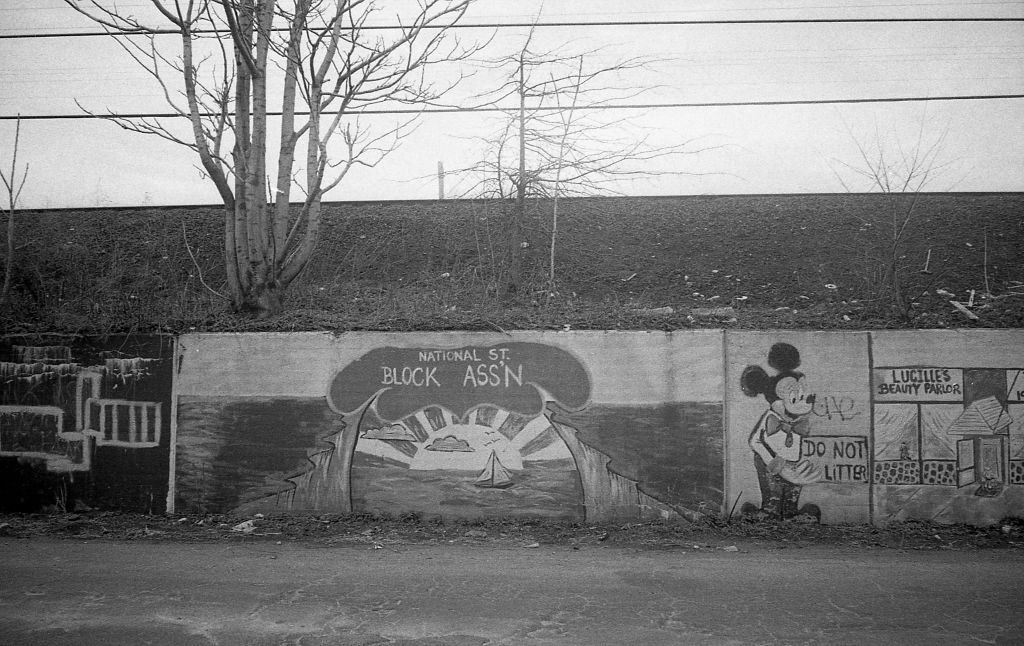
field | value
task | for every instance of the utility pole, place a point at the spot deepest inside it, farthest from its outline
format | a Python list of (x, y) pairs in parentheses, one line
[(521, 188), (440, 180), (519, 216)]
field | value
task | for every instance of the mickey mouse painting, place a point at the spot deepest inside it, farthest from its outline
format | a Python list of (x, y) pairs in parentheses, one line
[(777, 437)]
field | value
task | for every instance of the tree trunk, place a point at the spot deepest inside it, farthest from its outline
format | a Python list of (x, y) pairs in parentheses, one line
[(264, 246), (899, 301), (9, 263), (236, 249)]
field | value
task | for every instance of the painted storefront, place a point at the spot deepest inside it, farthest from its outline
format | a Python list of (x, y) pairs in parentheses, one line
[(839, 427), (948, 416), (877, 427)]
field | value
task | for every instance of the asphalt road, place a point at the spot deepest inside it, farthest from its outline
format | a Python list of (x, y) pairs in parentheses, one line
[(108, 593)]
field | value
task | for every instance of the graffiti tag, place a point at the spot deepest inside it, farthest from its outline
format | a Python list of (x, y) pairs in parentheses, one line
[(831, 407)]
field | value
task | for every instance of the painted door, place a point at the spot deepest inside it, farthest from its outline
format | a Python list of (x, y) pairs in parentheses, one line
[(966, 473), (991, 459)]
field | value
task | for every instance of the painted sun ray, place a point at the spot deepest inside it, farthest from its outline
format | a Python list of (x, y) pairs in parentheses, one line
[(499, 418), (531, 431), (540, 445), (421, 417), (437, 417), (382, 449), (404, 446), (552, 449), (512, 425), (416, 427), (484, 415)]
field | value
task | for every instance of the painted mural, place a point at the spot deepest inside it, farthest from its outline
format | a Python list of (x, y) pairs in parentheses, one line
[(880, 427), (493, 429), (777, 440), (949, 442), (831, 427), (84, 423), (800, 426), (443, 427)]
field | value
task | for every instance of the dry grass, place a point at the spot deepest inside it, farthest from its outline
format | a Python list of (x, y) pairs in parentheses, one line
[(788, 261)]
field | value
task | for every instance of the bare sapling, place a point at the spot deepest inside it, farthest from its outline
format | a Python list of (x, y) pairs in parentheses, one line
[(13, 186), (901, 173), (557, 139)]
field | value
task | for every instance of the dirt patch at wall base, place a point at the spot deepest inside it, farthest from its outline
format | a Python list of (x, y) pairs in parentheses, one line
[(378, 533)]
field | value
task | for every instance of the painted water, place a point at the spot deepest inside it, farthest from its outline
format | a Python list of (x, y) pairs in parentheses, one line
[(542, 488), (235, 452)]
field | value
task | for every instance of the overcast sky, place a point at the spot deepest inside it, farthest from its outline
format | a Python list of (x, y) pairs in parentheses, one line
[(754, 149)]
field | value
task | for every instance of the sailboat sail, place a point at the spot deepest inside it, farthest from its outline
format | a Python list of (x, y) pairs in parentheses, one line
[(494, 475)]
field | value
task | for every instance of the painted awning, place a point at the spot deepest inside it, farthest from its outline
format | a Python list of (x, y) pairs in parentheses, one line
[(983, 417)]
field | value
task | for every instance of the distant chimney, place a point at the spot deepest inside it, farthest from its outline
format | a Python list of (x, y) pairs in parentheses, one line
[(440, 180)]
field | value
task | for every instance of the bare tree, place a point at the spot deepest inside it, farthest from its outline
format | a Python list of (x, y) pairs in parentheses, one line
[(13, 187), (901, 171), (560, 139), (322, 61)]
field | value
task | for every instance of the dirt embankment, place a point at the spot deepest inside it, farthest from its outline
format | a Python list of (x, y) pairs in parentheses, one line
[(750, 262)]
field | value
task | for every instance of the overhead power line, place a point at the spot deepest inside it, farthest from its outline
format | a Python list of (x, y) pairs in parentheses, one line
[(622, 106), (595, 23)]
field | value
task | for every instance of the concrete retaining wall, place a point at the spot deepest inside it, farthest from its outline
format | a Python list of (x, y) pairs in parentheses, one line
[(868, 427)]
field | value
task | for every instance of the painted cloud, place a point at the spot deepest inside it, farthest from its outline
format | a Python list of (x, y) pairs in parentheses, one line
[(450, 444), (389, 432)]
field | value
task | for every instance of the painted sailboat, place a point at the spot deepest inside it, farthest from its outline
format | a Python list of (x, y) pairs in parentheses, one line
[(494, 475)]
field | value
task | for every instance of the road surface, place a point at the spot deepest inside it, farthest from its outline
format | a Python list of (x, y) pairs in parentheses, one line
[(108, 593)]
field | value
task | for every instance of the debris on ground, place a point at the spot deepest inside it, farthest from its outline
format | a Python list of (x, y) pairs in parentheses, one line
[(377, 532), (722, 314), (960, 307), (246, 527), (654, 311)]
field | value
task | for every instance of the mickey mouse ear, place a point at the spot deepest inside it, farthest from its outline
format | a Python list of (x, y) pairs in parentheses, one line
[(784, 357), (754, 381)]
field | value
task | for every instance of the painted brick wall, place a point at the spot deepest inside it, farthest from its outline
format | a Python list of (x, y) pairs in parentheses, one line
[(85, 422)]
